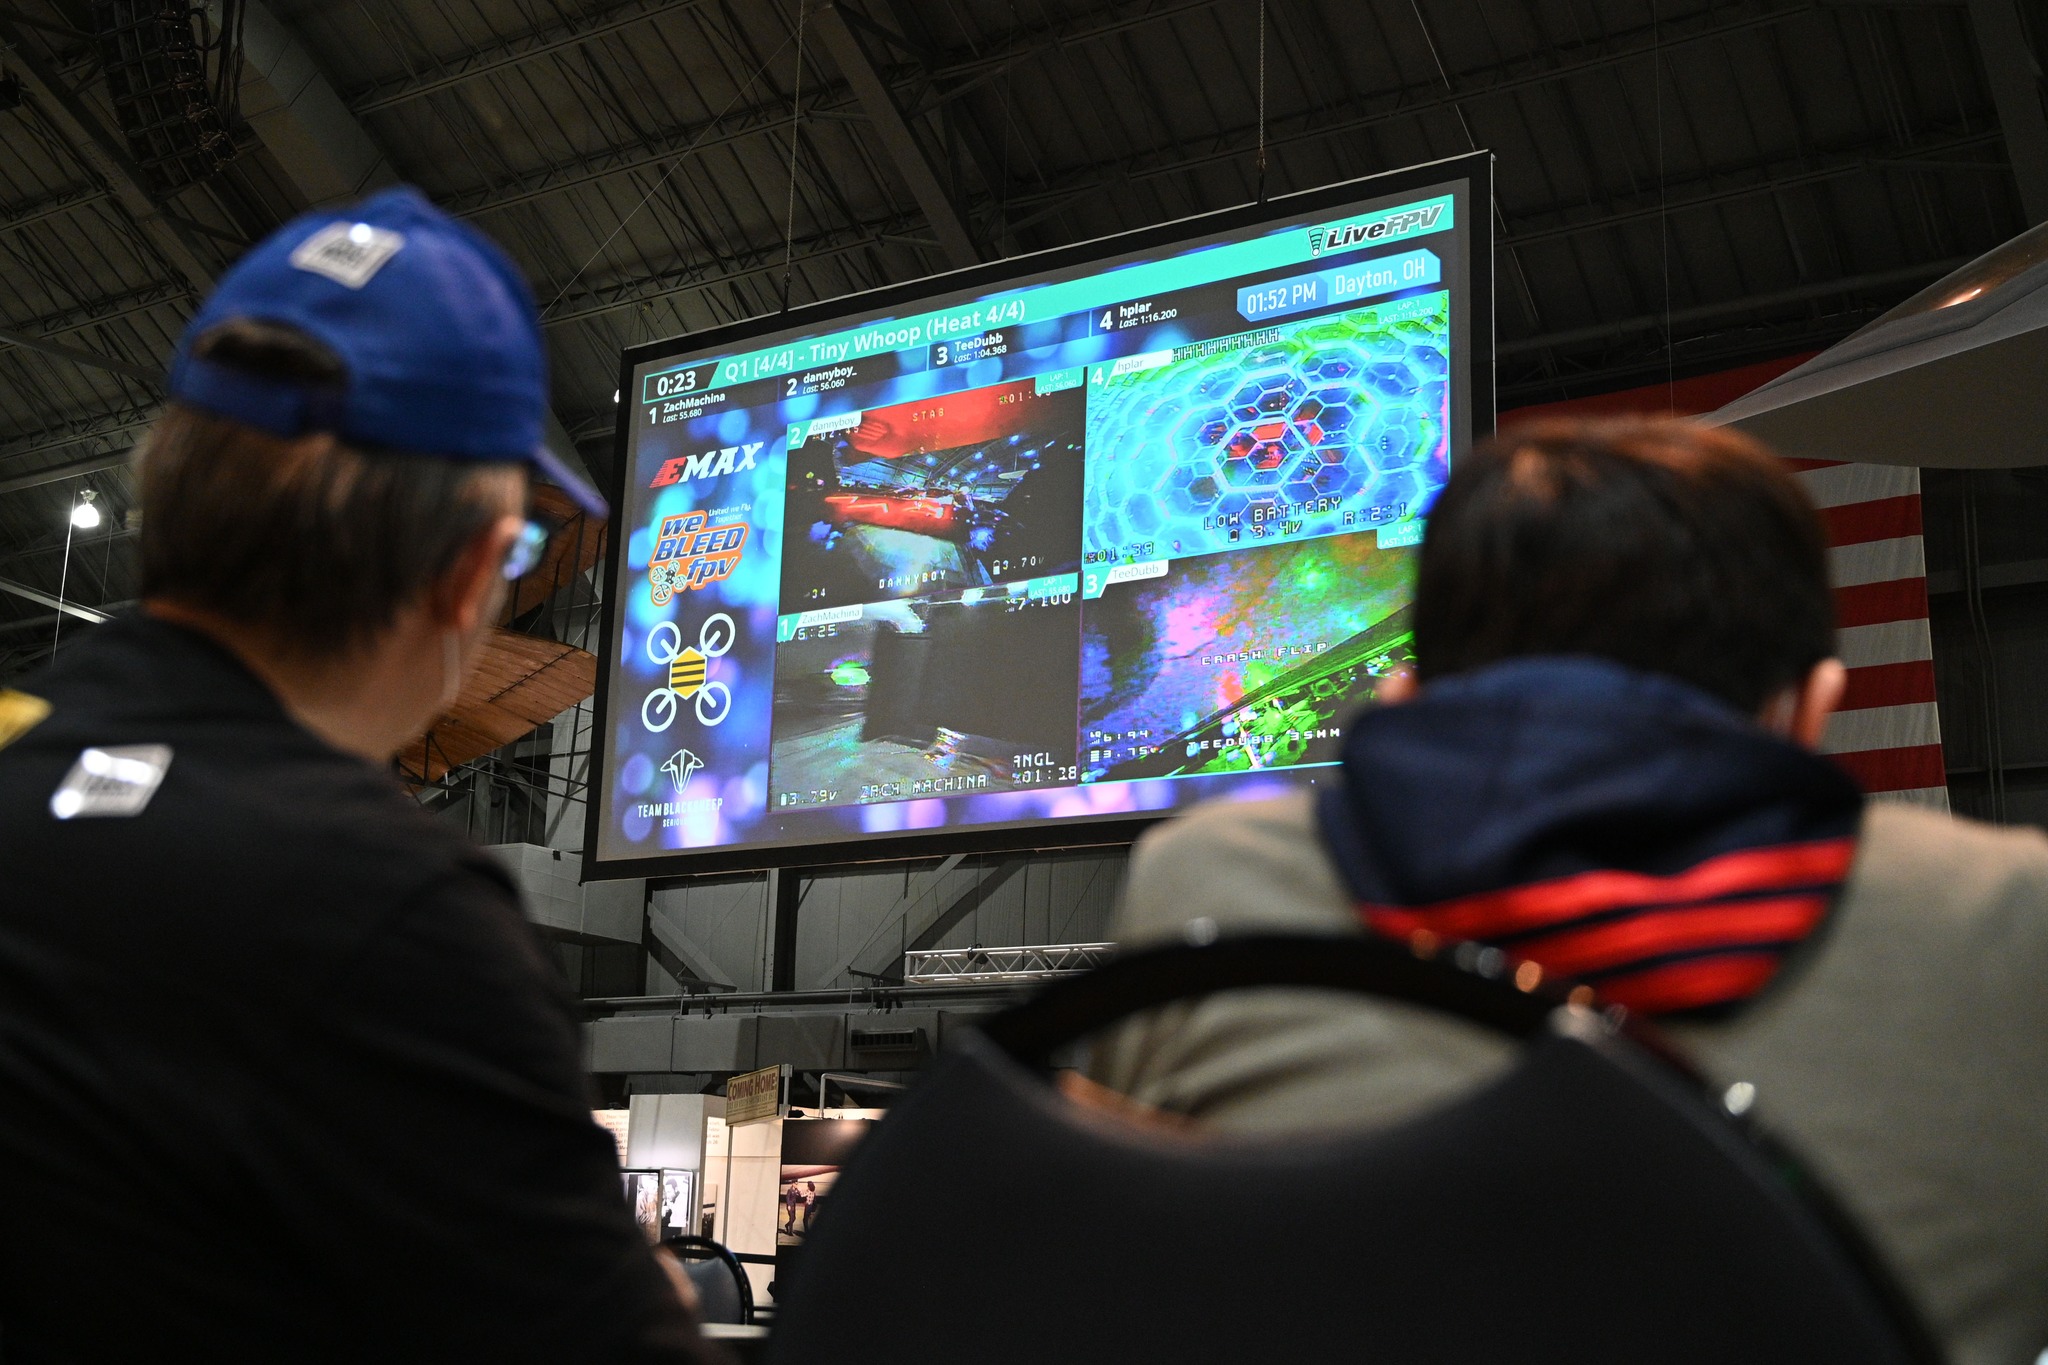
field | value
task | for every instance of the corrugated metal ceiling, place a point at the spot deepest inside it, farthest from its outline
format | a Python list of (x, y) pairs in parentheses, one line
[(1777, 172)]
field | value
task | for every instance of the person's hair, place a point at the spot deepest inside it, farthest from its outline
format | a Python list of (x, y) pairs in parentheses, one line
[(1666, 545), (316, 543)]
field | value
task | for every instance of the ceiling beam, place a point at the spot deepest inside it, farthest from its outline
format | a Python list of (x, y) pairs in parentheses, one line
[(45, 25), (55, 545), (57, 473), (1710, 190), (43, 345), (898, 139), (39, 334), (26, 623), (1103, 20), (918, 889), (23, 590), (946, 921), (719, 271), (2013, 75), (770, 117), (539, 42), (317, 140), (1645, 362), (107, 309), (755, 120), (1412, 102), (1092, 25), (106, 433), (1703, 192), (1708, 312), (101, 155), (13, 220)]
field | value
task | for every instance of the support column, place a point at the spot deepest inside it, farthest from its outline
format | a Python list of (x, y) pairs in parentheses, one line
[(785, 897)]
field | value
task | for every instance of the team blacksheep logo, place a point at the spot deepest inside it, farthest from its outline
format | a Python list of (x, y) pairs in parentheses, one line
[(682, 765)]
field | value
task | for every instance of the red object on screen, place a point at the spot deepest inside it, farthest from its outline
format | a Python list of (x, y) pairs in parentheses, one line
[(926, 516), (946, 422)]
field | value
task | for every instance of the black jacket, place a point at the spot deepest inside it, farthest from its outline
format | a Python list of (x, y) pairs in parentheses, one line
[(284, 1074)]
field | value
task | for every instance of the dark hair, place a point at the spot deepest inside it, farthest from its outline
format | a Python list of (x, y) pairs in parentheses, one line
[(314, 542), (1669, 546)]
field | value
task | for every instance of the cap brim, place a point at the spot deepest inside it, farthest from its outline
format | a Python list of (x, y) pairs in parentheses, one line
[(569, 481)]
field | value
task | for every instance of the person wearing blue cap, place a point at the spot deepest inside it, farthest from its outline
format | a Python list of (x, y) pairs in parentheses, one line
[(284, 1073)]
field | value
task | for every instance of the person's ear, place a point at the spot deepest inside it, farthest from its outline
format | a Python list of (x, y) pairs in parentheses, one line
[(1396, 688), (1818, 698), (1800, 712), (474, 585)]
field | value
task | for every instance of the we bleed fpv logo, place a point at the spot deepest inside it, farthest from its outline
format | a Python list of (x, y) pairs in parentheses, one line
[(690, 552), (709, 464), (1343, 236)]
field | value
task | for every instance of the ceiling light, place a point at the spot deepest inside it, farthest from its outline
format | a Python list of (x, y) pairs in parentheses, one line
[(85, 516)]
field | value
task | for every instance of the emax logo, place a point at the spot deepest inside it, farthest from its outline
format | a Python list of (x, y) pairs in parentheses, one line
[(1343, 236), (710, 464)]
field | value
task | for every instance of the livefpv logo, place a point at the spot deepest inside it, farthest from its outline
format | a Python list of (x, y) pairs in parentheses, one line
[(1332, 237)]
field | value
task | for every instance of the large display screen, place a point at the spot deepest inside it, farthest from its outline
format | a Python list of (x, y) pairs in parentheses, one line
[(1073, 540)]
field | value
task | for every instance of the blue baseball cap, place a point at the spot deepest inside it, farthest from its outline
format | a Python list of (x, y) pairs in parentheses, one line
[(436, 327)]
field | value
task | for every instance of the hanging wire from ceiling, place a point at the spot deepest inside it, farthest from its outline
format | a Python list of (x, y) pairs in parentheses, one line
[(1987, 691), (1262, 101), (226, 45), (796, 129), (1500, 222), (71, 525), (1663, 204), (674, 162)]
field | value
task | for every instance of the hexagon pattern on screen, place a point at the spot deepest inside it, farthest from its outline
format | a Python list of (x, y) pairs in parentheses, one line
[(1339, 423)]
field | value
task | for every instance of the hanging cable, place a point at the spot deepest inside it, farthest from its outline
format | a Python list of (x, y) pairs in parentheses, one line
[(1262, 101), (1663, 205), (1987, 661), (1008, 245), (796, 100), (677, 160), (64, 577), (1500, 221)]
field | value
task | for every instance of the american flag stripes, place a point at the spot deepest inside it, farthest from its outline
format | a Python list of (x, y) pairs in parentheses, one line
[(1888, 732)]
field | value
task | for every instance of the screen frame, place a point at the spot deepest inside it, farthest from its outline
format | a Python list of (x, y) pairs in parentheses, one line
[(1476, 168)]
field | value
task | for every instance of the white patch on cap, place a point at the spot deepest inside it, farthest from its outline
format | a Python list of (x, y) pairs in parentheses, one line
[(348, 253), (118, 780)]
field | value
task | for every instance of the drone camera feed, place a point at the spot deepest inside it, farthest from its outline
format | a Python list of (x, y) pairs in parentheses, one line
[(1081, 544)]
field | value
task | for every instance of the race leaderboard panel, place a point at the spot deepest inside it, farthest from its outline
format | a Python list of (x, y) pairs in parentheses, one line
[(1096, 543)]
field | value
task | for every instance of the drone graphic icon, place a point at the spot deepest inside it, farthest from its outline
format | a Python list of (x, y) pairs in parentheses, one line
[(689, 668)]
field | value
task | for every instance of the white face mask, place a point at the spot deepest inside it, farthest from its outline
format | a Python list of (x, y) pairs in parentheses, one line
[(451, 668)]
